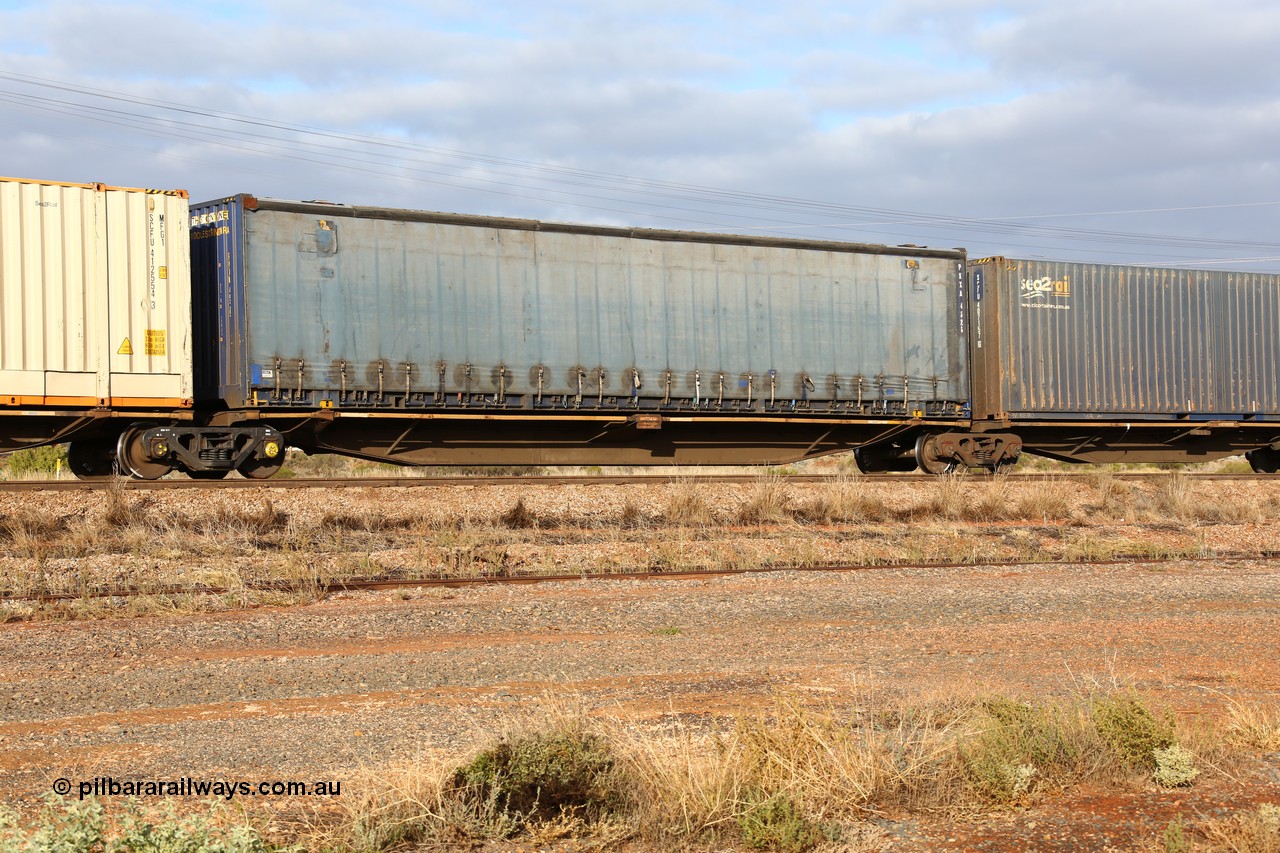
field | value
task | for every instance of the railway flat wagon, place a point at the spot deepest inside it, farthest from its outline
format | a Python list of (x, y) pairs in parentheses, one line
[(430, 338), (1108, 363), (95, 316)]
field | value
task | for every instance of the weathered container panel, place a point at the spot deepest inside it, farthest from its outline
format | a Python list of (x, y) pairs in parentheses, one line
[(94, 295), (356, 306), (1096, 341)]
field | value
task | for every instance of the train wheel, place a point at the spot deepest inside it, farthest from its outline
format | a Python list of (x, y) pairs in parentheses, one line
[(881, 461), (261, 469), (269, 460), (92, 459), (131, 452), (1264, 460), (928, 459)]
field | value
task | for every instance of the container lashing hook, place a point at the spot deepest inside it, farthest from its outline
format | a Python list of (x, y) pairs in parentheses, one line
[(577, 401), (697, 388), (635, 388), (835, 395), (342, 373), (666, 398), (541, 369), (466, 368), (600, 389), (382, 372), (408, 383), (301, 366), (720, 385), (750, 379), (277, 374), (502, 385), (773, 389), (441, 368)]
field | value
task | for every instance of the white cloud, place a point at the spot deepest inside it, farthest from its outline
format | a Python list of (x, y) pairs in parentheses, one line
[(949, 107)]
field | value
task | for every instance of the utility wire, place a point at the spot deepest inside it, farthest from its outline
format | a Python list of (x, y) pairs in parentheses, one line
[(507, 177)]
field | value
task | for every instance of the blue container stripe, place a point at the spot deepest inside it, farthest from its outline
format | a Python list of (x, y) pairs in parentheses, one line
[(218, 310)]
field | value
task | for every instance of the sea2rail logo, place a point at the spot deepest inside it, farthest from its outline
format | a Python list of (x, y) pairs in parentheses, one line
[(1045, 292)]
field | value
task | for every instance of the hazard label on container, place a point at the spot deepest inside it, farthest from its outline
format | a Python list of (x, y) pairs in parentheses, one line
[(156, 342), (126, 348)]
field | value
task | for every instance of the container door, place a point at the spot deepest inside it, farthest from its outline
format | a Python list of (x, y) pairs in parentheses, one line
[(148, 269), (52, 295)]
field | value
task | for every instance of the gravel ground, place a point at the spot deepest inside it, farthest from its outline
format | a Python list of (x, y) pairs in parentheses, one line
[(359, 681)]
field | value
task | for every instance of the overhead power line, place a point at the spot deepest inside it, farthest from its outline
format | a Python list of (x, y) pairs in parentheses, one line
[(588, 189)]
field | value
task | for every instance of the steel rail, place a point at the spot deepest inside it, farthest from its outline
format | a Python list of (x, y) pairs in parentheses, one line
[(551, 480), (382, 583)]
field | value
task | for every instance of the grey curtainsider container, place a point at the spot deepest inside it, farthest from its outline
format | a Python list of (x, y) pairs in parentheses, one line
[(1055, 340), (327, 306)]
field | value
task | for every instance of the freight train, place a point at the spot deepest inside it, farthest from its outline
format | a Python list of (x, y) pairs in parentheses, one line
[(152, 336)]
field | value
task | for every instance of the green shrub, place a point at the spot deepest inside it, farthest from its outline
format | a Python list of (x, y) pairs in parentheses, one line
[(1020, 748), (37, 462), (539, 777), (1175, 767), (70, 826), (1131, 730), (776, 823), (1175, 837)]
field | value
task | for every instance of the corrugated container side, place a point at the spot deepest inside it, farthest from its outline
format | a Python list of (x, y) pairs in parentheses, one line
[(149, 269), (1093, 340), (52, 293), (355, 299), (94, 295), (217, 301)]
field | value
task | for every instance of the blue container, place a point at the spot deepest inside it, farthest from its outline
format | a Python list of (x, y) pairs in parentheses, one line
[(319, 305)]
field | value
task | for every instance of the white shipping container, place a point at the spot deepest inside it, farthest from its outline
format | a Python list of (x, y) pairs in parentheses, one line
[(95, 296)]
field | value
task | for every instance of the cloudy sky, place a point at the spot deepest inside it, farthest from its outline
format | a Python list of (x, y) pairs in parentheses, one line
[(1143, 131)]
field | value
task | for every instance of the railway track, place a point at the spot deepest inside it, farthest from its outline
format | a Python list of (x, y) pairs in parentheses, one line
[(391, 583), (537, 480)]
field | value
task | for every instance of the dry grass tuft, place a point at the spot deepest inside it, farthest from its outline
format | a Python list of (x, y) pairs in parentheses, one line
[(846, 500), (688, 506), (1045, 501), (1253, 831), (768, 502), (1254, 726), (519, 517)]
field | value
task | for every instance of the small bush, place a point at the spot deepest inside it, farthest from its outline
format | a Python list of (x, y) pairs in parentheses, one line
[(1131, 730), (1175, 837), (539, 777), (1175, 767), (37, 462), (71, 826), (776, 823), (1021, 748)]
